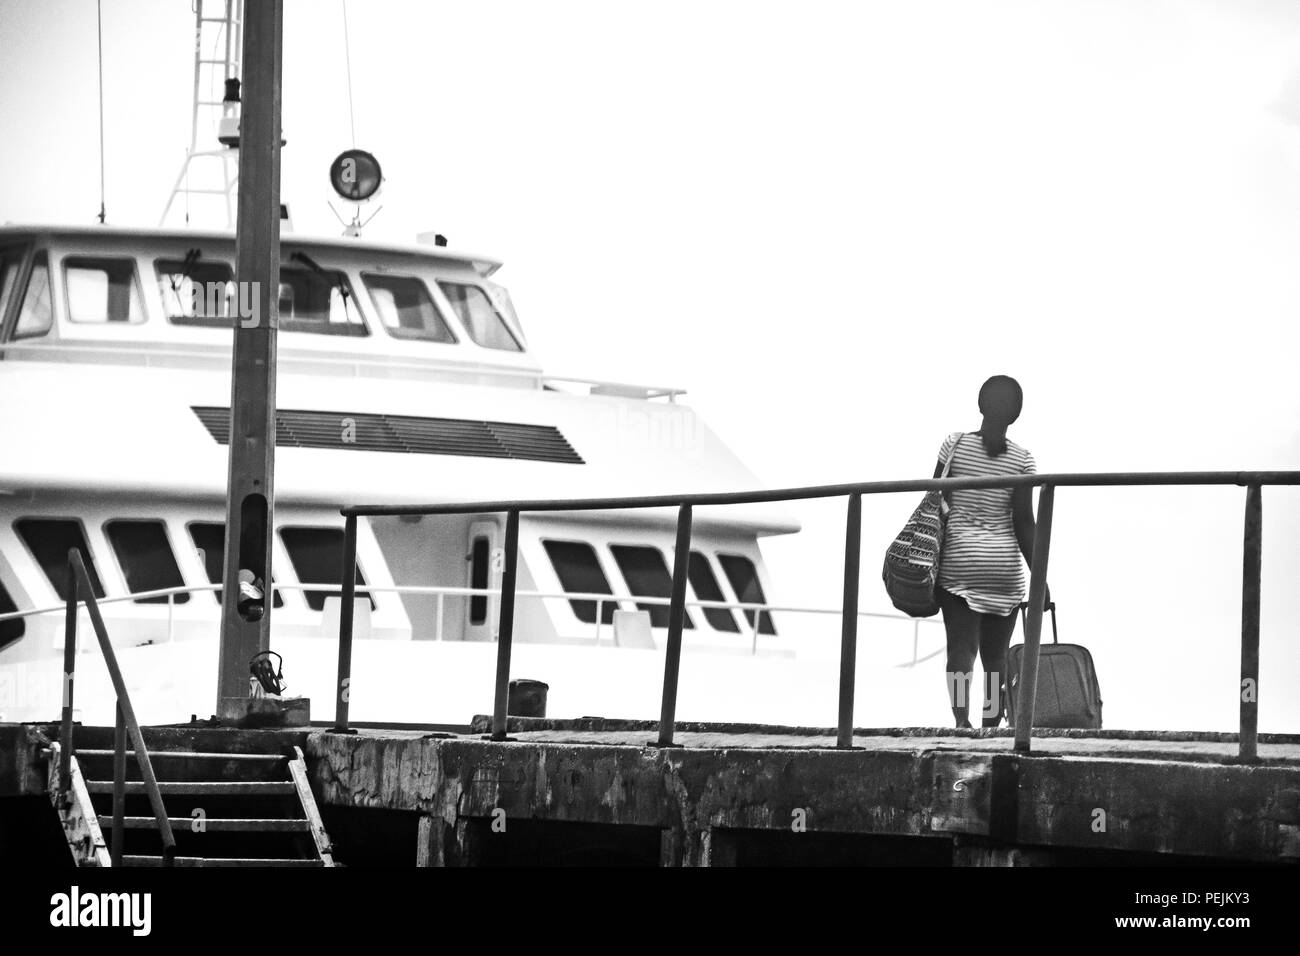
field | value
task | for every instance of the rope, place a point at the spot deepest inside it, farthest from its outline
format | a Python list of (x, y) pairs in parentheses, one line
[(99, 17), (347, 57)]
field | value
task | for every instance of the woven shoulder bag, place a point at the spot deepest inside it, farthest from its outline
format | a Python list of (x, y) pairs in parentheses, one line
[(911, 571)]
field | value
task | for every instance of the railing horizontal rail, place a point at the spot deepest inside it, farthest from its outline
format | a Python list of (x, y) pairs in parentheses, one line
[(762, 496), (454, 591)]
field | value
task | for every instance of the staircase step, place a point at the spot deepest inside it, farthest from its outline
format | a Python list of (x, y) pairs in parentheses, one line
[(191, 754), (217, 861), (211, 825), (258, 788)]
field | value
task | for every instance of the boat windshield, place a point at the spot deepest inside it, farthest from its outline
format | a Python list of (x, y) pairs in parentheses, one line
[(406, 308), (320, 300), (481, 318)]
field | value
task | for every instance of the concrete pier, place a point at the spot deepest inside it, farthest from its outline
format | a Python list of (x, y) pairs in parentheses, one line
[(596, 790)]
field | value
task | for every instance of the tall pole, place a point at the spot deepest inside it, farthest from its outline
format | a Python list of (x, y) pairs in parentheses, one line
[(246, 623)]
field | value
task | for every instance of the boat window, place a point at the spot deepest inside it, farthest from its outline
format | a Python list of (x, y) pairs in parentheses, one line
[(36, 315), (478, 578), (13, 628), (49, 540), (197, 293), (146, 558), (317, 556), (742, 574), (647, 576), (209, 539), (706, 587), (406, 308), (318, 300), (11, 260), (481, 318), (578, 570), (500, 297), (102, 290)]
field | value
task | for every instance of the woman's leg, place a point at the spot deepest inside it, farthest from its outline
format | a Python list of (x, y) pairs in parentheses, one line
[(995, 637), (963, 627)]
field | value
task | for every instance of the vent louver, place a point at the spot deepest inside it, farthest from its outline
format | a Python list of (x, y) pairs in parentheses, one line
[(405, 434)]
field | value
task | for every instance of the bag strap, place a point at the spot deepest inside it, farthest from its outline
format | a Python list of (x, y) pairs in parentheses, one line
[(947, 467), (1024, 616), (952, 453)]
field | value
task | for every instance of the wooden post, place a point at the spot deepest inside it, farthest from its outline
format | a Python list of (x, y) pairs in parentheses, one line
[(251, 476)]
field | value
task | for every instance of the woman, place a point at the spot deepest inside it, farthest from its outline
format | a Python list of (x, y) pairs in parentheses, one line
[(981, 579)]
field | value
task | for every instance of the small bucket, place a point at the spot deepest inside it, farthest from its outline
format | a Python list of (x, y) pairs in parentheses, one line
[(526, 698)]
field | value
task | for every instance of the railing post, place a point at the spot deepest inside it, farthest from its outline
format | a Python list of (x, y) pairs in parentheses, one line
[(343, 689), (119, 786), (1252, 558), (69, 673), (171, 618), (600, 612), (849, 619), (506, 626), (676, 615), (437, 636), (1034, 620)]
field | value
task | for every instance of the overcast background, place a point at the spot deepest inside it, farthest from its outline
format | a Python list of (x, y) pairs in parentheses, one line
[(830, 222)]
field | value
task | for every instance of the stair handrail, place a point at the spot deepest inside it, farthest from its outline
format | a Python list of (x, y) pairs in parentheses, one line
[(125, 725)]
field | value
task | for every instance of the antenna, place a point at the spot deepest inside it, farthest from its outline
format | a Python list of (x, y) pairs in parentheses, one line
[(355, 174), (99, 29), (347, 59), (216, 165)]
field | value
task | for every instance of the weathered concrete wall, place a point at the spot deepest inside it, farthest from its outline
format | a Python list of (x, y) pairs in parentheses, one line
[(1104, 803), (22, 768)]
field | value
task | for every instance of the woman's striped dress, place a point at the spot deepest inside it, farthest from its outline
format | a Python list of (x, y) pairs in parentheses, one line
[(980, 560)]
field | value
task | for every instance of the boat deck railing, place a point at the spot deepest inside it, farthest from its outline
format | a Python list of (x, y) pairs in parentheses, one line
[(752, 612), (1253, 481)]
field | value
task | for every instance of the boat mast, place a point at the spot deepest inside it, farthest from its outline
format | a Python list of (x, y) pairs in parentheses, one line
[(214, 169)]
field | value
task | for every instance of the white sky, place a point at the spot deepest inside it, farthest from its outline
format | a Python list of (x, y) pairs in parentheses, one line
[(830, 222)]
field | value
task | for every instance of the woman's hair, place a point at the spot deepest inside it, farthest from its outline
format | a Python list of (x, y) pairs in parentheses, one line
[(1000, 401)]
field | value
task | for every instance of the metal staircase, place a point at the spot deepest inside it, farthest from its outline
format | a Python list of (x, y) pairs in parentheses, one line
[(220, 797), (211, 170), (225, 809)]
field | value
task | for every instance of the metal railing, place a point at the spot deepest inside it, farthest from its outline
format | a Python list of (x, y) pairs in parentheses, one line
[(751, 611), (124, 726), (685, 504)]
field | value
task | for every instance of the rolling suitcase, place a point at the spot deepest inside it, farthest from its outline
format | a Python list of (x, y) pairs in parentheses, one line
[(1068, 694)]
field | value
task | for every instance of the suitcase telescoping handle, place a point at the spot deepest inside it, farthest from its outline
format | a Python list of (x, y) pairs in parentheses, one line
[(1024, 614)]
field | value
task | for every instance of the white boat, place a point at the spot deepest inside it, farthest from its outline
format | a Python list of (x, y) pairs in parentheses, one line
[(404, 377)]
